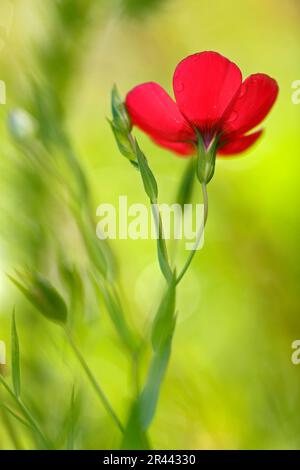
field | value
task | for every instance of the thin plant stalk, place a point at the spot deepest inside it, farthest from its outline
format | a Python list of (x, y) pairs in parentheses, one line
[(11, 430), (161, 244), (26, 413), (103, 398), (200, 233)]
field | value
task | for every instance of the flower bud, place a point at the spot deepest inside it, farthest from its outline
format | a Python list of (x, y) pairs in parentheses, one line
[(121, 118), (123, 142), (42, 295), (206, 160)]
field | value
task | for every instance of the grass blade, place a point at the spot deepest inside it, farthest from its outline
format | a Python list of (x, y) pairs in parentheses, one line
[(148, 178), (45, 443), (15, 357), (104, 400), (17, 417), (71, 422)]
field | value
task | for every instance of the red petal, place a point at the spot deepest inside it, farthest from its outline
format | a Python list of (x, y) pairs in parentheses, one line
[(181, 148), (205, 85), (153, 111), (257, 96), (239, 144)]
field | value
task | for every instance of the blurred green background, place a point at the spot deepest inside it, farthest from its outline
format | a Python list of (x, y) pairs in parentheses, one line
[(230, 383)]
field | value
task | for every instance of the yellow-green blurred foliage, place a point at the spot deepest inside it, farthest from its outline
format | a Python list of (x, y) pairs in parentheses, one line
[(230, 382)]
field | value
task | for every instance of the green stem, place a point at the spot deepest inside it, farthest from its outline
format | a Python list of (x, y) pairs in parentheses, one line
[(26, 413), (184, 196), (11, 430), (104, 400), (200, 233), (162, 251), (150, 394)]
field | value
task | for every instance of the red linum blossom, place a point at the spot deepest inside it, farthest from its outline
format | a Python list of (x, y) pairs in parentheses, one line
[(211, 101)]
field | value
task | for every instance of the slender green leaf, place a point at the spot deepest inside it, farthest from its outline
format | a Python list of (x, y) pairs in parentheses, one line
[(162, 334), (94, 247), (104, 400), (71, 422), (17, 417), (135, 437), (164, 321), (15, 357), (11, 428), (116, 313), (149, 181), (41, 438), (145, 405), (150, 394), (161, 244)]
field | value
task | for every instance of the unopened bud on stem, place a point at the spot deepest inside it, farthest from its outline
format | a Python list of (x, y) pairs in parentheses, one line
[(43, 296), (206, 160)]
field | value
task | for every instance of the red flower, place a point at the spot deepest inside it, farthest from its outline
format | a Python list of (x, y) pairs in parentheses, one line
[(211, 100)]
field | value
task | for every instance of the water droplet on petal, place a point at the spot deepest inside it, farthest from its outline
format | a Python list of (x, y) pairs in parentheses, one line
[(233, 116)]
